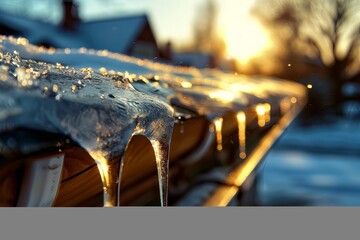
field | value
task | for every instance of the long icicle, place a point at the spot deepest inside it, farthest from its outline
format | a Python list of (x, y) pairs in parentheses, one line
[(218, 128), (241, 119), (110, 174), (161, 150)]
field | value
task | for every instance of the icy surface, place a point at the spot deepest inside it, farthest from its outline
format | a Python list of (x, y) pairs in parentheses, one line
[(207, 92), (98, 112), (101, 99)]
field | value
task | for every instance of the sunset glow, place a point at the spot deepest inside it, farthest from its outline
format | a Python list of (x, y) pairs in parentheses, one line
[(244, 36), (247, 43)]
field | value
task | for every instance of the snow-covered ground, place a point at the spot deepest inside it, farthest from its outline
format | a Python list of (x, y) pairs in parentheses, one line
[(315, 165)]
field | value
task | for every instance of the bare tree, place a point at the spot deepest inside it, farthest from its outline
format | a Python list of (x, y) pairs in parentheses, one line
[(328, 31), (206, 37)]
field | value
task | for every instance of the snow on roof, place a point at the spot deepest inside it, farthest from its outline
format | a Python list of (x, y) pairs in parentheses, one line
[(115, 34)]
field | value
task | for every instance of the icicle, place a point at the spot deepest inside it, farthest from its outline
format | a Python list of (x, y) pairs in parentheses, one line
[(218, 127), (267, 107), (260, 110), (110, 175), (161, 150), (241, 119)]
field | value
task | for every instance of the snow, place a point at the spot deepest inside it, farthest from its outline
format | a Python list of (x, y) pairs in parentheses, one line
[(316, 165)]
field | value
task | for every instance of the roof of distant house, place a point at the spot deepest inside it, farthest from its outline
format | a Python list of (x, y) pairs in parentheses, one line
[(114, 34)]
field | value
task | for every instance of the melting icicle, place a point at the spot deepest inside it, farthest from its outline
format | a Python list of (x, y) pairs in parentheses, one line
[(159, 133), (267, 107), (241, 119), (218, 127), (161, 150), (110, 174), (260, 110)]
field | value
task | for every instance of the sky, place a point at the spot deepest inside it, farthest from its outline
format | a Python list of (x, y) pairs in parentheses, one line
[(171, 20)]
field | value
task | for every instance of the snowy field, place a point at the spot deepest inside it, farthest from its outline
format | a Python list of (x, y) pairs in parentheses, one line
[(317, 165)]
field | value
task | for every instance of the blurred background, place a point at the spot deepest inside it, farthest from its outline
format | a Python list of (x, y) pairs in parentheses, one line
[(315, 43)]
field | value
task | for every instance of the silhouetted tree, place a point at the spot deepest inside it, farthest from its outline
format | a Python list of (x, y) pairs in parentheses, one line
[(326, 31)]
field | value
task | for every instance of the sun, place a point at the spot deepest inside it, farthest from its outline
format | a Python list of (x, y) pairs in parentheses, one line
[(247, 41)]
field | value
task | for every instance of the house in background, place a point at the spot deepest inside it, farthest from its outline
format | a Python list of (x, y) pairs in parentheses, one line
[(130, 35), (195, 59), (203, 60)]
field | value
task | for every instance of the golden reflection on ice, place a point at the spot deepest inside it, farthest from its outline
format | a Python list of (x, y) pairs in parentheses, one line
[(108, 178), (260, 110), (223, 96), (186, 84), (241, 119), (22, 41), (218, 127)]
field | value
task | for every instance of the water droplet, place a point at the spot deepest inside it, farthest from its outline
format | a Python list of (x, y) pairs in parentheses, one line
[(24, 83), (55, 88), (73, 88), (58, 97)]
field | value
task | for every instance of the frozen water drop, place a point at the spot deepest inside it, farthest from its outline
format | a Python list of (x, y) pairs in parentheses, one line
[(73, 88), (241, 119), (58, 97)]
